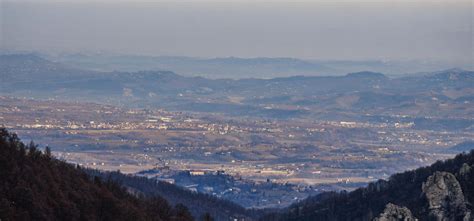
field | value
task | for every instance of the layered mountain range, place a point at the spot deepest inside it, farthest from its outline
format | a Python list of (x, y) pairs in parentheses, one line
[(443, 94)]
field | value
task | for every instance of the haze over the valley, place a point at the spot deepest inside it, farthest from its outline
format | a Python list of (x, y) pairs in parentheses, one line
[(244, 110), (439, 32)]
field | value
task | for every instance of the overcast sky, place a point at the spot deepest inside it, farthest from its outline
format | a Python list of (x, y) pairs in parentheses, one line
[(425, 30)]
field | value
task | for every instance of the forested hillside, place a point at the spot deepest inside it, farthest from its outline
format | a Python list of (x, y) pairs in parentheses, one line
[(442, 191), (198, 203), (35, 186)]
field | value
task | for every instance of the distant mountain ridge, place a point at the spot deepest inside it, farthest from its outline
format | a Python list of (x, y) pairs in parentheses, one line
[(31, 76), (366, 74), (238, 68)]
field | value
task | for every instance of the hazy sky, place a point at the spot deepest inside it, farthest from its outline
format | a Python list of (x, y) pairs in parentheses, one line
[(318, 29)]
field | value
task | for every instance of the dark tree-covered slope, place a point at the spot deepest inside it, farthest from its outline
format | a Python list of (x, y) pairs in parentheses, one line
[(198, 203), (35, 186), (445, 188)]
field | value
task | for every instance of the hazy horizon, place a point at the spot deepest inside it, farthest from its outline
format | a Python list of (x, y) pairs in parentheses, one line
[(219, 110), (318, 30)]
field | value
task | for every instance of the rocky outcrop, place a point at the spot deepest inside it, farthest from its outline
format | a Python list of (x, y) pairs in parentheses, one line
[(445, 197), (393, 212)]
